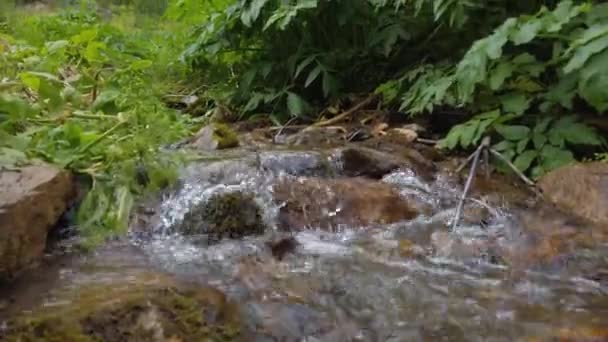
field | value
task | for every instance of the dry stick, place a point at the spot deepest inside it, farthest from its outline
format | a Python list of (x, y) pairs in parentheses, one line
[(274, 138), (344, 115), (486, 161), (467, 186), (485, 144), (426, 141), (466, 162), (513, 167)]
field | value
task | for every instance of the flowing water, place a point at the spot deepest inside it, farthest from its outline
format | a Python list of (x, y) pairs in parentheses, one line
[(406, 281)]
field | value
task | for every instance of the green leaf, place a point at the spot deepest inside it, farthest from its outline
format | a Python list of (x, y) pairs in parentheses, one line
[(542, 125), (526, 32), (55, 46), (553, 157), (254, 102), (498, 76), (524, 160), (313, 76), (522, 144), (295, 104), (106, 99), (503, 146), (593, 84), (251, 13), (577, 133), (141, 64), (30, 80), (452, 139), (539, 140), (514, 132), (304, 64), (468, 133), (583, 53), (93, 52), (330, 84), (516, 103)]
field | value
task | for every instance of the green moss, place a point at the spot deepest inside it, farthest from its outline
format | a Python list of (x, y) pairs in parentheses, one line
[(233, 215), (225, 136), (160, 314)]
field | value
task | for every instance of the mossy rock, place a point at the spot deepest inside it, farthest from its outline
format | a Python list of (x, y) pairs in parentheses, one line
[(233, 215), (216, 136), (161, 314)]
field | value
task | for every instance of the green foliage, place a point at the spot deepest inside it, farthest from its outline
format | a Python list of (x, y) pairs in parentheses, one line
[(546, 65), (289, 57), (84, 94)]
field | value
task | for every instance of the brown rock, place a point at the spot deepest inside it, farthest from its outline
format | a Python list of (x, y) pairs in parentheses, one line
[(31, 201), (581, 189), (316, 137), (360, 161), (328, 203)]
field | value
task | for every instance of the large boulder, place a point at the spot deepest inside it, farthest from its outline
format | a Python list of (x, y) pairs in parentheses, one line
[(581, 189), (31, 201), (331, 203)]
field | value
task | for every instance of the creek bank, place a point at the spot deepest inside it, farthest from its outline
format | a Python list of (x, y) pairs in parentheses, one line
[(32, 199)]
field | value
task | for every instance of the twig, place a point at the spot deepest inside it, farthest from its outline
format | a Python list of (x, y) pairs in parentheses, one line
[(466, 162), (278, 128), (485, 144), (486, 162), (467, 186), (344, 115), (274, 138), (427, 141), (513, 167)]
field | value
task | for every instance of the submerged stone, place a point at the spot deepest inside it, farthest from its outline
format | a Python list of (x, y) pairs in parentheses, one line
[(233, 215), (331, 203)]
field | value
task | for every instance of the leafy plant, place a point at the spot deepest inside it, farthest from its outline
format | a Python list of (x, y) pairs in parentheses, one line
[(83, 94)]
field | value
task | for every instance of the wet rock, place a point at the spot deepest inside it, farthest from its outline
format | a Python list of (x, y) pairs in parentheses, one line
[(214, 136), (32, 199), (330, 203), (282, 246), (581, 189), (408, 249), (233, 215), (316, 137), (296, 163), (450, 245), (547, 236), (416, 156), (365, 162), (131, 313)]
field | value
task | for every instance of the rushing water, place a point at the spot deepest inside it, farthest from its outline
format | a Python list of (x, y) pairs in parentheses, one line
[(358, 283)]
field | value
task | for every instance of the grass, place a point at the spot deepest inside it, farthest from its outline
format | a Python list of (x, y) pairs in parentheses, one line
[(85, 94)]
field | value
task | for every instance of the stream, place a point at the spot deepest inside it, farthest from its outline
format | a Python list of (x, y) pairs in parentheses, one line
[(407, 280)]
